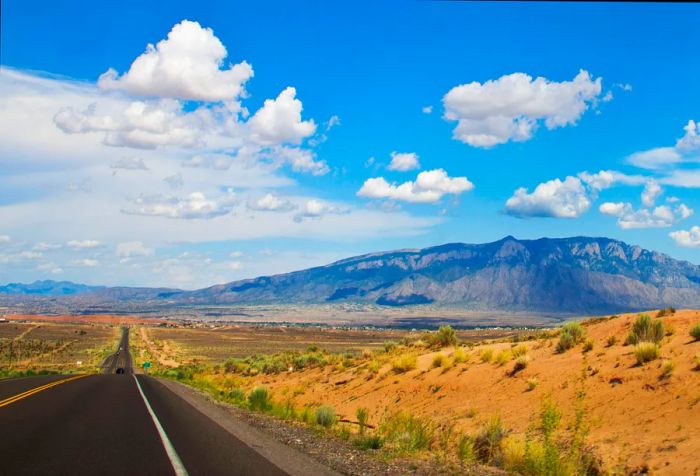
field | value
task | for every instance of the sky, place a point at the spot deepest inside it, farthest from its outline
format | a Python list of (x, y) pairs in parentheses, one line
[(204, 143)]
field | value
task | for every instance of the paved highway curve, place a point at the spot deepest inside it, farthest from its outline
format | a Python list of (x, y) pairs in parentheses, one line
[(101, 425)]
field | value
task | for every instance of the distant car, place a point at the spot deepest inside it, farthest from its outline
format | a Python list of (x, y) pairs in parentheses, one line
[(120, 370), (121, 348)]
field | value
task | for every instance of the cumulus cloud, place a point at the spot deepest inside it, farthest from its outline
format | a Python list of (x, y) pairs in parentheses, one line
[(556, 198), (186, 65), (403, 161), (193, 206), (129, 163), (429, 187), (657, 217), (687, 238), (83, 244), (271, 203), (301, 160), (651, 192), (317, 208), (279, 121), (130, 249), (427, 109), (511, 107), (210, 161)]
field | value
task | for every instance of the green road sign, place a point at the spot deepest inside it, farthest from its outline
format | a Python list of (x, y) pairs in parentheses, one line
[(146, 365)]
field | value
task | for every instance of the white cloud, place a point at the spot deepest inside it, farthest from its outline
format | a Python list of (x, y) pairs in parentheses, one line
[(129, 163), (271, 203), (211, 161), (44, 246), (4, 239), (427, 109), (235, 265), (87, 262), (317, 208), (187, 65), (279, 121), (130, 249), (301, 160), (195, 205), (624, 86), (403, 161), (236, 254), (687, 238), (332, 122), (658, 217), (31, 255), (651, 192), (686, 150), (175, 180), (429, 187), (511, 107), (556, 198), (83, 244)]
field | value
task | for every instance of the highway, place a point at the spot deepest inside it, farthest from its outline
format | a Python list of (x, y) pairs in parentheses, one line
[(120, 424)]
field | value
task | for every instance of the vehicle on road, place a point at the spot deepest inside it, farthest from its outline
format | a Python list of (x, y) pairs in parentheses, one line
[(120, 370)]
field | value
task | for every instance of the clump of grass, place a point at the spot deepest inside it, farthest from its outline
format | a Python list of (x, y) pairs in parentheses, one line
[(667, 368), (325, 416), (571, 334), (645, 329), (459, 356), (588, 345), (362, 415), (389, 345), (438, 361), (612, 340), (369, 442), (373, 366), (407, 433), (646, 352), (404, 363), (519, 350), (259, 399), (696, 362), (521, 363), (444, 337), (236, 395), (487, 443), (532, 383), (695, 332), (486, 355), (465, 449), (502, 357), (666, 312)]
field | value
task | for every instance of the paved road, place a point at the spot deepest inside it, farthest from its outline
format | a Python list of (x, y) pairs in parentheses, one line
[(121, 358), (101, 425)]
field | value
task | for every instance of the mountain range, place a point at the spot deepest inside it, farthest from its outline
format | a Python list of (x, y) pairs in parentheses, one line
[(579, 274)]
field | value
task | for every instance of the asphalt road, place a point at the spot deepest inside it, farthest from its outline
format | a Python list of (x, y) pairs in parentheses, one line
[(121, 358), (101, 425)]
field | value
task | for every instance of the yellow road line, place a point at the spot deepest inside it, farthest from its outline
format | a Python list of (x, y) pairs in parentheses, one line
[(32, 391)]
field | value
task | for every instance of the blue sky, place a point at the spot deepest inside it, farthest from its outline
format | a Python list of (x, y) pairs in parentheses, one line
[(524, 119)]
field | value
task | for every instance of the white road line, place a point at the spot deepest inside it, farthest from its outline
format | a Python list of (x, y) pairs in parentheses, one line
[(169, 449)]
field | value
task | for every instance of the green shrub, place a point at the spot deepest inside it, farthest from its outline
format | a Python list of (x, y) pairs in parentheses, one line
[(438, 360), (369, 442), (566, 342), (667, 368), (362, 414), (237, 395), (460, 356), (519, 350), (325, 416), (259, 399), (645, 329), (588, 345), (404, 363), (612, 340), (696, 362), (465, 449), (666, 312), (373, 366), (521, 363), (502, 357), (486, 355), (571, 334), (646, 352), (444, 337), (487, 442), (695, 332), (408, 433), (532, 384), (389, 346)]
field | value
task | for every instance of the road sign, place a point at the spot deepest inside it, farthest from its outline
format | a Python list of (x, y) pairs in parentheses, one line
[(146, 365)]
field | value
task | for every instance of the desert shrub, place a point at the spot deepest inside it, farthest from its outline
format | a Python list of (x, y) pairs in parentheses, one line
[(666, 312), (404, 363), (519, 350), (373, 366), (487, 442), (460, 356), (532, 384), (237, 395), (444, 337), (695, 332), (646, 352), (362, 414), (408, 433), (588, 345), (389, 345), (612, 340), (521, 363), (438, 360), (259, 399), (325, 416), (486, 355), (667, 368), (571, 334), (696, 362), (465, 449), (368, 442), (645, 329), (502, 357)]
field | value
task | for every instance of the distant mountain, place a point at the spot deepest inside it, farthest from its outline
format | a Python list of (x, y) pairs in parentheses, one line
[(580, 274), (49, 288), (565, 275)]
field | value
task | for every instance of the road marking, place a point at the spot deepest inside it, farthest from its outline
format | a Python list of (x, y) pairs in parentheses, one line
[(169, 449), (32, 391)]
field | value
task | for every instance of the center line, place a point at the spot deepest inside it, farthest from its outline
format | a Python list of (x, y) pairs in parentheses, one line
[(169, 449)]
